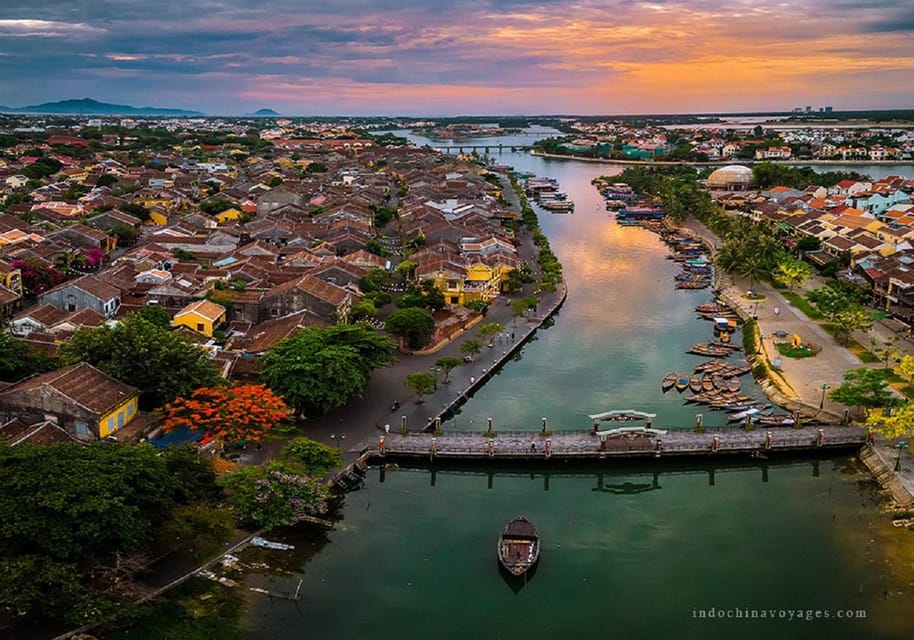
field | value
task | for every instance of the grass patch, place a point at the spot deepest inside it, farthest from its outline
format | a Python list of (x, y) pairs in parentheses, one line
[(796, 352), (866, 356), (803, 305), (750, 337)]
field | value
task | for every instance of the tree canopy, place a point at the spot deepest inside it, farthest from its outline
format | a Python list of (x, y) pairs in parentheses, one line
[(230, 414), (142, 353), (865, 388), (317, 370), (18, 359), (69, 512), (416, 326)]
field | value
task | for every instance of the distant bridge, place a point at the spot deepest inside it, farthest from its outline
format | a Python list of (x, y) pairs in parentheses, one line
[(486, 148)]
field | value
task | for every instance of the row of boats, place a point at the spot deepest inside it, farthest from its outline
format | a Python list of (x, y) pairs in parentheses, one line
[(706, 383), (695, 270), (546, 193), (719, 349)]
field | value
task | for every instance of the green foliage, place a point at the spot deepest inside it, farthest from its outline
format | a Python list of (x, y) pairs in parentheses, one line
[(156, 314), (809, 243), (126, 236), (18, 359), (275, 181), (424, 295), (490, 330), (316, 167), (446, 364), (362, 310), (471, 347), (865, 388), (41, 168), (792, 272), (376, 247), (769, 174), (277, 494), (383, 215), (136, 210), (377, 298), (202, 528), (217, 205), (70, 510), (834, 297), (106, 180), (316, 369), (315, 457), (406, 269), (479, 306), (144, 354), (415, 325), (853, 318), (374, 280), (422, 383)]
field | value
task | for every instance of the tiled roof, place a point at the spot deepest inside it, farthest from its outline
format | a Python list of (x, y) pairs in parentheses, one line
[(81, 383)]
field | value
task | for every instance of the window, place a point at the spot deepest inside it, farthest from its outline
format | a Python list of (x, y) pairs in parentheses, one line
[(71, 307), (454, 299), (130, 409), (82, 429), (451, 284), (200, 327), (120, 419)]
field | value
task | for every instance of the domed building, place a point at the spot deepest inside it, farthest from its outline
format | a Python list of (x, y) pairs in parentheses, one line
[(734, 177)]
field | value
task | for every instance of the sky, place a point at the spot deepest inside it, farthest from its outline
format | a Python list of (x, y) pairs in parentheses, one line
[(460, 57)]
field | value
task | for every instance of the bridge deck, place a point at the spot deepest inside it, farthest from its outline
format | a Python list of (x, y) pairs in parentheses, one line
[(586, 445)]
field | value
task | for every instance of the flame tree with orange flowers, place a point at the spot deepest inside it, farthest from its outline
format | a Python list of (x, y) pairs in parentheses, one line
[(229, 414)]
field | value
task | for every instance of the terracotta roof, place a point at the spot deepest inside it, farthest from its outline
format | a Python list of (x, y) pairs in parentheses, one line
[(43, 314), (81, 383), (204, 308)]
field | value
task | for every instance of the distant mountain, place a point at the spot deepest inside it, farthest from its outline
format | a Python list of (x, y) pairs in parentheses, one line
[(88, 106), (264, 113)]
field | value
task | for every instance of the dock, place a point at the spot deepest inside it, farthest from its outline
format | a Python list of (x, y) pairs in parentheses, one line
[(620, 444)]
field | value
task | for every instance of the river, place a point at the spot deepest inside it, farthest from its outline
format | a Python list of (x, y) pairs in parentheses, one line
[(637, 551)]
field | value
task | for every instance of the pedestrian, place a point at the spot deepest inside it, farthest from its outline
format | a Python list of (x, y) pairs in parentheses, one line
[(533, 446), (386, 428), (777, 311), (472, 380)]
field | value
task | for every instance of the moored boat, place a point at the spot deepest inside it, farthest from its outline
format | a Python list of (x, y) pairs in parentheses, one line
[(668, 382), (682, 383), (519, 546), (695, 384)]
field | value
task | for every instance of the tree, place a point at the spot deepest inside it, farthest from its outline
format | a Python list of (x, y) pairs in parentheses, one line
[(446, 364), (792, 272), (18, 359), (106, 180), (37, 276), (141, 353), (829, 301), (156, 314), (229, 414), (490, 330), (71, 514), (905, 368), (316, 370), (422, 383), (854, 318), (278, 494), (316, 167), (125, 235), (471, 348), (374, 280), (362, 310), (809, 243), (136, 210), (898, 423), (406, 269), (315, 457), (864, 388), (425, 295), (414, 325)]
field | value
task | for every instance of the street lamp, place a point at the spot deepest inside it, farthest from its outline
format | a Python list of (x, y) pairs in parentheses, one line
[(338, 440), (825, 386), (900, 446)]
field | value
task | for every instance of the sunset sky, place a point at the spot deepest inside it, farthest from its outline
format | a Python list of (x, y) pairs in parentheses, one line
[(448, 57)]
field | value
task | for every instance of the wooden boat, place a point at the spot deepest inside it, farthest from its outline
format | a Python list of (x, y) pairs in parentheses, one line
[(519, 546), (668, 382), (776, 421), (706, 383), (719, 383), (709, 350), (682, 383), (695, 384), (725, 337), (733, 385)]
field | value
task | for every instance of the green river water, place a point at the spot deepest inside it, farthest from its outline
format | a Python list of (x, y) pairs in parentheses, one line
[(637, 552)]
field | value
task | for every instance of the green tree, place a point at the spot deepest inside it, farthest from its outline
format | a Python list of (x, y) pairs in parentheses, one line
[(315, 457), (278, 494), (144, 354), (71, 515), (414, 325), (106, 180), (18, 359), (136, 210), (447, 364), (406, 269), (829, 301), (854, 318), (864, 388), (471, 348), (792, 272), (899, 423), (126, 236), (374, 280), (490, 330), (316, 369), (156, 314), (422, 383), (362, 310)]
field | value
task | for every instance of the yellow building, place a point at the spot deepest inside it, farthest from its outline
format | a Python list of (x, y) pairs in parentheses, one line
[(201, 316), (229, 214)]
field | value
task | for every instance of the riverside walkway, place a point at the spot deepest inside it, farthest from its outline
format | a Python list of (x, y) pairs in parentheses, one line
[(586, 445)]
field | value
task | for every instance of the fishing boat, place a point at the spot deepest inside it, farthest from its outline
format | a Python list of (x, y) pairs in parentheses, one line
[(706, 383), (682, 383), (668, 382), (733, 385), (709, 350), (776, 421), (519, 546), (695, 384)]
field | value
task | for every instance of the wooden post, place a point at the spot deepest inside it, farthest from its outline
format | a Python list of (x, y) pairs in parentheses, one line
[(544, 424), (438, 424), (748, 423), (847, 417), (796, 419), (769, 440), (402, 423), (698, 421), (489, 425)]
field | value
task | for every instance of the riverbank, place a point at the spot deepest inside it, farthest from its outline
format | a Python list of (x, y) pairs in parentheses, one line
[(722, 163)]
